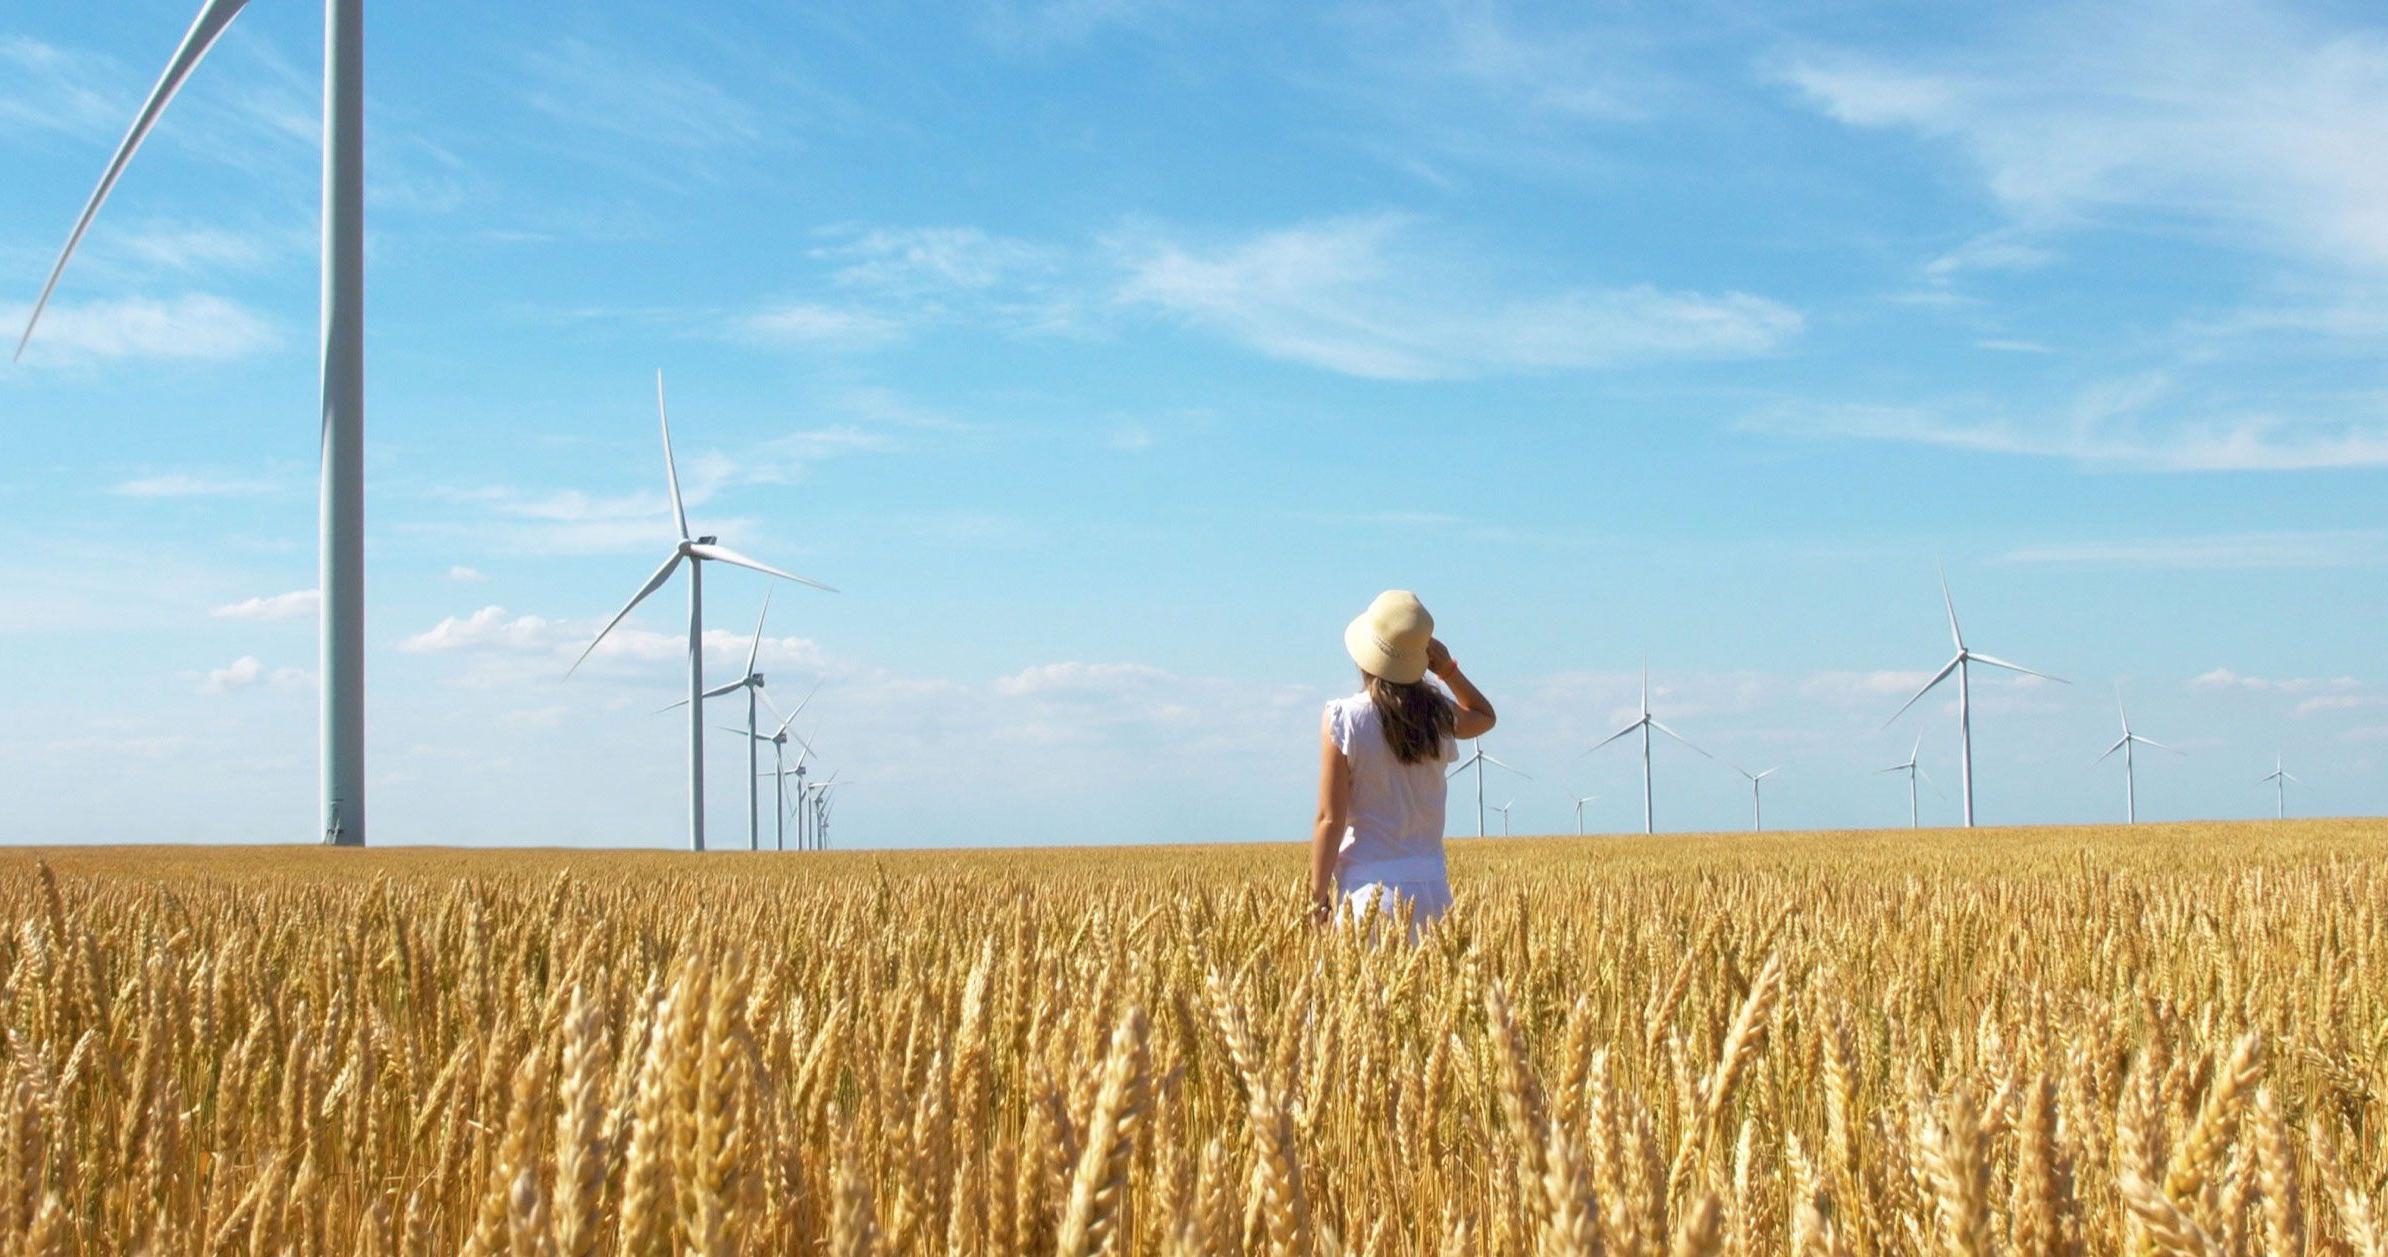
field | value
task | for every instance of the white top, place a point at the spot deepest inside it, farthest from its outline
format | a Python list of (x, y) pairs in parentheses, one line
[(1396, 829)]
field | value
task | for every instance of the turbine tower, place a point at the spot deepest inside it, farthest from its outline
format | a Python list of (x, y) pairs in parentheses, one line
[(698, 551), (1645, 722), (1960, 666), (1913, 770), (2280, 777), (2124, 744), (1477, 759), (340, 378), (1579, 812), (1504, 811), (1757, 804), (780, 771)]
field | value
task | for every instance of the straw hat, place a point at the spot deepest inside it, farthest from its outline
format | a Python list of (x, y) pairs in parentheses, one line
[(1389, 639)]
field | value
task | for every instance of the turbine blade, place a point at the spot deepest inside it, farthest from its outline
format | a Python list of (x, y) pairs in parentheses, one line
[(2119, 743), (723, 554), (808, 698), (2158, 745), (755, 651), (729, 687), (1951, 603), (654, 583), (1678, 737), (2016, 667), (1495, 762), (1612, 737), (671, 469), (214, 16), (1937, 678)]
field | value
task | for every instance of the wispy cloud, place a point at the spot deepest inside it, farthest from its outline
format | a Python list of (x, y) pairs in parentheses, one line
[(186, 484), (47, 88), (2236, 550), (2226, 679), (2236, 115), (248, 672), (191, 327), (463, 575), (637, 97), (1366, 296), (298, 604), (811, 325)]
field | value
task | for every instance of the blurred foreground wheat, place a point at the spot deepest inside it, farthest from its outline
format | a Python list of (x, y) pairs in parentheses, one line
[(2168, 1040)]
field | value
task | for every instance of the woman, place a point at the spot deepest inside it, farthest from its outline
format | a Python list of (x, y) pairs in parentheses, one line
[(1379, 835)]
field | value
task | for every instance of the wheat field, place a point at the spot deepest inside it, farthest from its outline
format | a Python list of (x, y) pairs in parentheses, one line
[(2169, 1039)]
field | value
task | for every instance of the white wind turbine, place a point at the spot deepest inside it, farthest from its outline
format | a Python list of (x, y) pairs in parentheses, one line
[(1579, 812), (2124, 744), (2280, 777), (780, 769), (1757, 804), (824, 800), (1477, 759), (1504, 811), (341, 378), (1913, 770), (1959, 665), (697, 551), (1645, 722)]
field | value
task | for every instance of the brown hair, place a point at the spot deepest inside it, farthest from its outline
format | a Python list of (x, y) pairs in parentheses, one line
[(1416, 717)]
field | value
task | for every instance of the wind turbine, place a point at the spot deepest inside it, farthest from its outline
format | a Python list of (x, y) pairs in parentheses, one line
[(778, 738), (698, 551), (2280, 777), (750, 681), (823, 801), (1477, 759), (1645, 722), (1959, 665), (340, 379), (1913, 770), (2124, 744), (1757, 804), (1579, 812), (1504, 811)]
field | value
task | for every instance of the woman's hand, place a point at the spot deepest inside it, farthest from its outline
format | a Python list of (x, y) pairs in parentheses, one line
[(1439, 660)]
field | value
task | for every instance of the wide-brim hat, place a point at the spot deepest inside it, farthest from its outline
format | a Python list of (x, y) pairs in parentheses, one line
[(1389, 639)]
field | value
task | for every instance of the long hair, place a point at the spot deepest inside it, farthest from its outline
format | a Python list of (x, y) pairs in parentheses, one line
[(1416, 717)]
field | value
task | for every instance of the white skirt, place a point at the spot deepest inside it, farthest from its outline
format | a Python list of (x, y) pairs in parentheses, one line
[(1426, 899)]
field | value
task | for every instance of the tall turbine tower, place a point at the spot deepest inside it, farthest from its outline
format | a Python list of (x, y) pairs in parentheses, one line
[(341, 378), (2280, 777), (1504, 811), (2124, 744), (1959, 665), (1913, 771), (1579, 812), (698, 551), (752, 682), (1477, 759), (1757, 804), (1645, 722)]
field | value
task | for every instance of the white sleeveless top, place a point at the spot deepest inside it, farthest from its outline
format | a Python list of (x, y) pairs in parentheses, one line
[(1396, 828)]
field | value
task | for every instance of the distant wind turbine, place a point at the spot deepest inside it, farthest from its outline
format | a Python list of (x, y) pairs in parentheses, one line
[(1504, 811), (340, 379), (2124, 744), (1645, 723), (1477, 759), (780, 771), (1579, 812), (2280, 777), (1757, 805), (1959, 665), (750, 681), (1913, 770), (697, 551)]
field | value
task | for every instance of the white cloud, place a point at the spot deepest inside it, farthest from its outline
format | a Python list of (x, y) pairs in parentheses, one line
[(47, 88), (298, 604), (628, 96), (2128, 428), (2225, 679), (2236, 550), (810, 325), (493, 632), (2338, 702), (2233, 114), (1364, 296), (248, 672), (183, 484), (466, 575), (192, 327)]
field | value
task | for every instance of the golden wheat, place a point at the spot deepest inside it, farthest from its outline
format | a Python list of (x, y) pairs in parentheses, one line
[(2169, 1039)]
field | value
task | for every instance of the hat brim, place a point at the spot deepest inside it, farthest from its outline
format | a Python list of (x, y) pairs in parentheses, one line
[(1378, 659)]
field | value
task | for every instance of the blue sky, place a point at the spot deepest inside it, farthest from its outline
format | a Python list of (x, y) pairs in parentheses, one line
[(1110, 355)]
